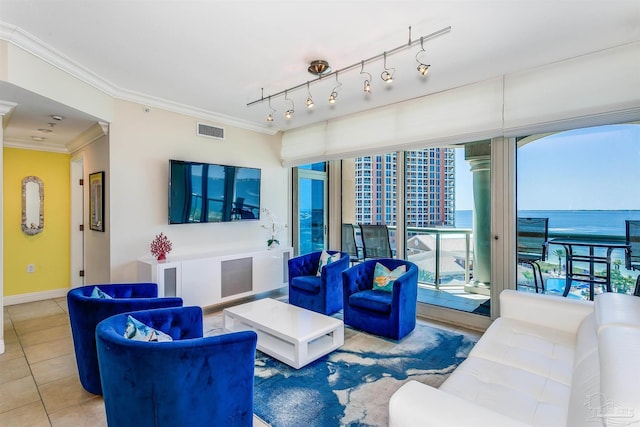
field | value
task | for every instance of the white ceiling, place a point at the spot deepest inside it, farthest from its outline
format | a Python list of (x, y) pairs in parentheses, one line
[(212, 58)]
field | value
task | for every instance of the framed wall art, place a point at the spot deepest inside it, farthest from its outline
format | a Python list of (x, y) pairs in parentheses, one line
[(96, 201)]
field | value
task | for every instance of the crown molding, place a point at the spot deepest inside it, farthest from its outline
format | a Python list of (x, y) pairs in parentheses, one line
[(6, 111), (90, 135), (36, 146), (29, 43)]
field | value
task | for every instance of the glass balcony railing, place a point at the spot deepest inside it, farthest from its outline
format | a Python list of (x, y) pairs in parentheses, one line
[(444, 255)]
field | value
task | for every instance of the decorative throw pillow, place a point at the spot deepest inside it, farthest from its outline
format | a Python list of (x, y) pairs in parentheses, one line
[(138, 331), (99, 293), (383, 278), (326, 259)]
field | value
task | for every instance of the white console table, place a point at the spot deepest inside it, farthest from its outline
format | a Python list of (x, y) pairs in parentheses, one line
[(213, 278)]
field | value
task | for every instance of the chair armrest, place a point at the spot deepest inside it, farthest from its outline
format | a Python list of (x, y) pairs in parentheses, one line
[(419, 405), (545, 310)]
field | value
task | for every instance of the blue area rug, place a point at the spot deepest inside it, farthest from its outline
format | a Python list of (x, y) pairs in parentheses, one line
[(352, 385)]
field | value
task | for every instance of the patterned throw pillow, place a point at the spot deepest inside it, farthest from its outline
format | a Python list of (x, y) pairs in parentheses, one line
[(138, 331), (383, 278), (326, 259), (99, 293)]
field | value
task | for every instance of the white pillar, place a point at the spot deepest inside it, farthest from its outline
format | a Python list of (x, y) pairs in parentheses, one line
[(5, 109)]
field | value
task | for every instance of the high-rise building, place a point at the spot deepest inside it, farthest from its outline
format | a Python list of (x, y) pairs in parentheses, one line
[(430, 188)]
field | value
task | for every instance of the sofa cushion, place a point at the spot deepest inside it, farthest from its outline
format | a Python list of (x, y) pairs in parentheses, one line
[(99, 293), (537, 349), (370, 300), (384, 278), (138, 331), (311, 284), (512, 391), (325, 259)]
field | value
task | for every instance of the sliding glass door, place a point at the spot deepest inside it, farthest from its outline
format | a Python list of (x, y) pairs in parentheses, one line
[(310, 208)]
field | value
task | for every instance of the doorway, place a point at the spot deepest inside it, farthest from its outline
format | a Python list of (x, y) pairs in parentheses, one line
[(77, 222), (310, 208)]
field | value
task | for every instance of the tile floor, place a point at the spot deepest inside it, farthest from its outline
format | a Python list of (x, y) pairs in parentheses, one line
[(39, 385)]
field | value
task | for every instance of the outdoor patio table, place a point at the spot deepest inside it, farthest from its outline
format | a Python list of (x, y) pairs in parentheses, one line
[(592, 278)]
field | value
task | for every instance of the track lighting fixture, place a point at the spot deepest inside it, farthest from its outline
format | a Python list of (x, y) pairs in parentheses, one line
[(422, 68), (321, 69), (387, 74), (309, 101), (273, 110), (334, 93), (367, 82), (290, 111)]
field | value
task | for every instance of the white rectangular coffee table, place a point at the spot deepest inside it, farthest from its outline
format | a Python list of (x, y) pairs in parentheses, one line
[(291, 334)]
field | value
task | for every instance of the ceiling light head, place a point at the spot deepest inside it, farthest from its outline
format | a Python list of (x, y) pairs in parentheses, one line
[(290, 111), (423, 69), (387, 74), (367, 82), (334, 93), (309, 101), (43, 130), (273, 110), (319, 67), (38, 138), (57, 117)]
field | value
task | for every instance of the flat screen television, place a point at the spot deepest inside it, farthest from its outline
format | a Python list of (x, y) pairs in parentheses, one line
[(204, 192)]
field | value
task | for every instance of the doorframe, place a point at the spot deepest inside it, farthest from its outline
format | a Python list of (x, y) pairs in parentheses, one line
[(297, 174), (76, 166)]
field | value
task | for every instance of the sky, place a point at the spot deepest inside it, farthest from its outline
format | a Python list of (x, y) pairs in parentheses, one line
[(592, 168)]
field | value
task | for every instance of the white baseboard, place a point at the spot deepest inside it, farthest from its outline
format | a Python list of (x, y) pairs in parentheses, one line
[(2, 346), (34, 296)]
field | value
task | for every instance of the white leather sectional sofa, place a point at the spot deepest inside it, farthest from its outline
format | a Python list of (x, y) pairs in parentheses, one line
[(547, 361)]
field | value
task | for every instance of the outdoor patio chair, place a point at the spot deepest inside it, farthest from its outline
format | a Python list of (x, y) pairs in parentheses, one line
[(533, 234), (632, 256), (375, 241), (350, 244)]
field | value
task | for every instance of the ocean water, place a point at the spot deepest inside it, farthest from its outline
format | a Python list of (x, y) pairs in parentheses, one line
[(594, 222)]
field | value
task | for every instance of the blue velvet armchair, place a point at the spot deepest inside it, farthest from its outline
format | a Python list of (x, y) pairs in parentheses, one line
[(389, 314), (86, 312), (191, 381), (322, 294)]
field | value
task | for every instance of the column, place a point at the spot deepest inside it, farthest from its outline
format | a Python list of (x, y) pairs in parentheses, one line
[(479, 157)]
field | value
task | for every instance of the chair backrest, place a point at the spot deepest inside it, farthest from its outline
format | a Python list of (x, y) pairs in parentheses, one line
[(349, 242), (86, 312), (190, 381), (633, 240), (375, 241), (533, 234)]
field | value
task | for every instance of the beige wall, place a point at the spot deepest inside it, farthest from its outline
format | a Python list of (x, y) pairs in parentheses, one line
[(141, 144)]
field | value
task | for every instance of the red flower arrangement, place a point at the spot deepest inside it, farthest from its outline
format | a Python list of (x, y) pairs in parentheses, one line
[(160, 247)]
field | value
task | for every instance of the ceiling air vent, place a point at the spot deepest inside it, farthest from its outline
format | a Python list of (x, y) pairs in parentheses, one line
[(210, 131)]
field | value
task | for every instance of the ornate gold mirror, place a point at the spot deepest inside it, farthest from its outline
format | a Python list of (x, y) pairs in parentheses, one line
[(32, 205)]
